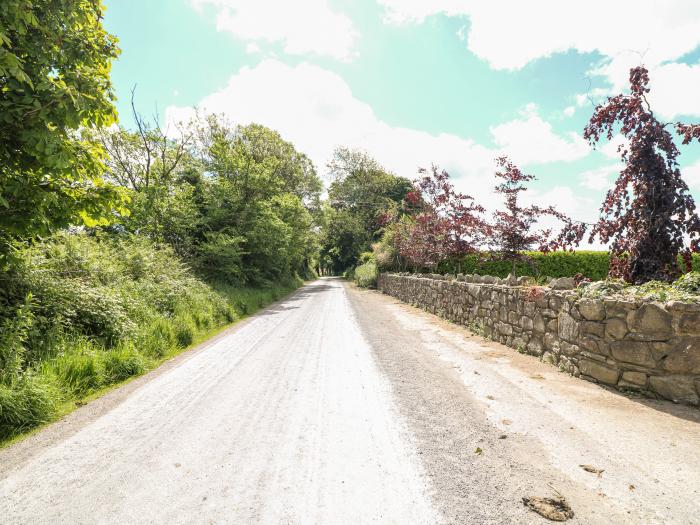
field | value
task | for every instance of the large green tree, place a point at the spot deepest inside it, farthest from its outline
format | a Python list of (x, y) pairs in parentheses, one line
[(260, 199), (55, 59), (360, 197)]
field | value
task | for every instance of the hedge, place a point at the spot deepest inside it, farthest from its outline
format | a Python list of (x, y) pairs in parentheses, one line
[(591, 264)]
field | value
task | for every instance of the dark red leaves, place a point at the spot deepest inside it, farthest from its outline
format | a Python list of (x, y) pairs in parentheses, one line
[(447, 223), (512, 230), (649, 213)]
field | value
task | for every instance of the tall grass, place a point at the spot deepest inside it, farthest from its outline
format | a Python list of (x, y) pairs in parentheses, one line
[(81, 313), (366, 275)]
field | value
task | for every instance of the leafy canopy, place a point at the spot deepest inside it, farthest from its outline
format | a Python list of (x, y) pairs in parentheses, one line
[(55, 60)]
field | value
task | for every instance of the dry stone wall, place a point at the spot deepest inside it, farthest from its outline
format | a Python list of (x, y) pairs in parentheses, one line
[(652, 348)]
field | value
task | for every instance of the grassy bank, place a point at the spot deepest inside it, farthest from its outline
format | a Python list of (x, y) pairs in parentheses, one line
[(81, 314)]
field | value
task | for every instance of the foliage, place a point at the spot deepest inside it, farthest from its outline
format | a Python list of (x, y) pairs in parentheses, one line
[(361, 197), (686, 289), (446, 224), (81, 312), (591, 264), (55, 59), (366, 275), (649, 213), (238, 202), (385, 252), (512, 231), (26, 403)]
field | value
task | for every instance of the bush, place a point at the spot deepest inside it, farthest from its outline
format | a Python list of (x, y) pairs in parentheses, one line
[(79, 312), (366, 275), (689, 283), (686, 289), (158, 339)]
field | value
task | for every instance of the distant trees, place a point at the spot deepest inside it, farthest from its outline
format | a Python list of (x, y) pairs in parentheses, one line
[(360, 195), (55, 58), (649, 215), (238, 202)]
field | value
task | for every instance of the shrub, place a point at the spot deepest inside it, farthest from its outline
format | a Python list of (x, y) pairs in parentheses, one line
[(593, 265), (689, 283), (686, 289), (366, 275), (79, 311)]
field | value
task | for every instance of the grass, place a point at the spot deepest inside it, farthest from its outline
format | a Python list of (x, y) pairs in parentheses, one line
[(366, 275), (79, 369)]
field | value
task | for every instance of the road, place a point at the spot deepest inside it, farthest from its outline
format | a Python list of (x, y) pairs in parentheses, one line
[(340, 405)]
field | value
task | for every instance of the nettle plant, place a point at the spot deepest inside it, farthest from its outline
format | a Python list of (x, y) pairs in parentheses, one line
[(513, 230), (446, 223), (649, 216)]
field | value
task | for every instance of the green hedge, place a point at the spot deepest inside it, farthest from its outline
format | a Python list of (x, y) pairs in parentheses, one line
[(591, 264)]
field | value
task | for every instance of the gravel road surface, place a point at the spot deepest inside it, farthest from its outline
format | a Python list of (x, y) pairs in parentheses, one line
[(340, 405)]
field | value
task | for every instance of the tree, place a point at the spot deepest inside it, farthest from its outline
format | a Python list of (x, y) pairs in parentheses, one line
[(447, 223), (55, 59), (512, 231), (258, 200), (360, 195), (649, 214), (149, 164)]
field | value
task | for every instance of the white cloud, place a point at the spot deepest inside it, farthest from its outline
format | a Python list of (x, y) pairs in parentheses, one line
[(569, 111), (531, 140), (691, 175), (674, 90), (252, 48), (509, 35), (600, 179), (315, 109), (609, 148), (302, 26)]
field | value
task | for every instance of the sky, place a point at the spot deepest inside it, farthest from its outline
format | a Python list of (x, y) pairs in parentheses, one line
[(454, 83)]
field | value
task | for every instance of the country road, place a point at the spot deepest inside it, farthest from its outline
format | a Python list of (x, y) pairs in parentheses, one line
[(343, 406)]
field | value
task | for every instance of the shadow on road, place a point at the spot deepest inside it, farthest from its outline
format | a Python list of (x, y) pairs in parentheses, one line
[(301, 295)]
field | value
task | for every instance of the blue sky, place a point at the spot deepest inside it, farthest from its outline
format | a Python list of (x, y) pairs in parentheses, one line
[(451, 82)]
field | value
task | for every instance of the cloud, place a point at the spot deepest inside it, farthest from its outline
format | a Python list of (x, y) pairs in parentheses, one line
[(674, 90), (691, 175), (302, 26), (315, 109), (509, 35), (600, 179), (531, 140)]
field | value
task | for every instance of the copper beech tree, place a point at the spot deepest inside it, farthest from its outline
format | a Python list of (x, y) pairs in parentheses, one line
[(445, 223), (649, 216), (513, 229)]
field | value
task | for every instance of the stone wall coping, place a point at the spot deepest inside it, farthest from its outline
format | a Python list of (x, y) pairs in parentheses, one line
[(625, 302)]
